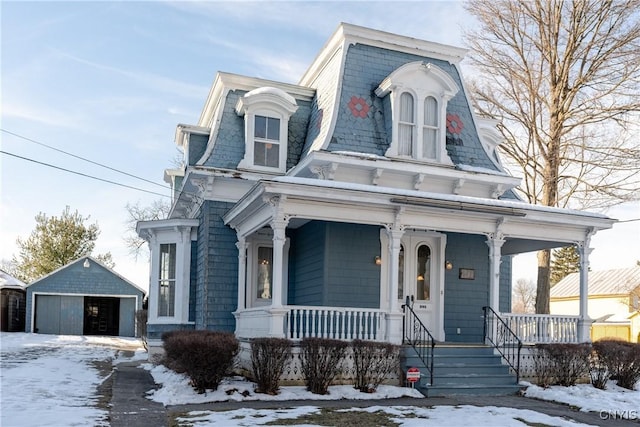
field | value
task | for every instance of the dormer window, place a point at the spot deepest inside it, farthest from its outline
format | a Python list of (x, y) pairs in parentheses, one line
[(266, 114), (418, 93), (266, 142)]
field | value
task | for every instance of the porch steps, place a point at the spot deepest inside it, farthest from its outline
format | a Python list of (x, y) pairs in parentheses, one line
[(462, 369)]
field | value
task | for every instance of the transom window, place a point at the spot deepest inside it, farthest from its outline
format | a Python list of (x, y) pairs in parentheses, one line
[(418, 93)]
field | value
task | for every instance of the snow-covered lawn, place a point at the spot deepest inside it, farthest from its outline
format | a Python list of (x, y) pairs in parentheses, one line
[(48, 380)]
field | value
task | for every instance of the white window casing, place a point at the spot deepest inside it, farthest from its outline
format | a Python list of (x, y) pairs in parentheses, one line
[(268, 107), (430, 89)]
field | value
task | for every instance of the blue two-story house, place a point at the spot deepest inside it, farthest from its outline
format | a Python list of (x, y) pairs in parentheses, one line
[(317, 208)]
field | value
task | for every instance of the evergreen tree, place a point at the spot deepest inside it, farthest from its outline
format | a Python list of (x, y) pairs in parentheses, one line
[(55, 242), (565, 261)]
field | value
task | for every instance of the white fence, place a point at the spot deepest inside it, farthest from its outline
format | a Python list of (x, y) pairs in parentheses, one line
[(543, 328)]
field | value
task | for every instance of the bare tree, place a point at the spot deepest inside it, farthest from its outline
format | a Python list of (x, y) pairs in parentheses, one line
[(524, 296), (563, 77), (159, 209)]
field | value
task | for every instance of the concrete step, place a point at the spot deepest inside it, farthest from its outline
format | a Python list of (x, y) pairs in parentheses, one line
[(463, 369)]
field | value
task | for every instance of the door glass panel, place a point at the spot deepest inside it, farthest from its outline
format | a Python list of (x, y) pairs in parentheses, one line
[(401, 273), (423, 277), (265, 272)]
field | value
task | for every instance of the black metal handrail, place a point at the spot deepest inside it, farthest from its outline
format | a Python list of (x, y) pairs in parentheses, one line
[(503, 339), (418, 336)]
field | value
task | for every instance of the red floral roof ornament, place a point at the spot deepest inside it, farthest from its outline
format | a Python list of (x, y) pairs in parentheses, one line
[(454, 124), (358, 107)]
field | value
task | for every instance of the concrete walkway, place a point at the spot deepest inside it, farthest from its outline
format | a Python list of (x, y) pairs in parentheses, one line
[(131, 408), (129, 404)]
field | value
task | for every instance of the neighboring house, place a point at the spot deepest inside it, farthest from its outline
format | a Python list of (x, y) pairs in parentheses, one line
[(83, 298), (319, 208), (613, 301), (12, 306)]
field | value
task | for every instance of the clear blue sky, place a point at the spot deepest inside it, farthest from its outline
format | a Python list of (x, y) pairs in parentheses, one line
[(109, 81)]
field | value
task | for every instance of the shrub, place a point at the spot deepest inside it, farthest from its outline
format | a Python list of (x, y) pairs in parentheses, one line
[(565, 363), (321, 362), (542, 366), (621, 359), (373, 361), (268, 357), (598, 371), (205, 356)]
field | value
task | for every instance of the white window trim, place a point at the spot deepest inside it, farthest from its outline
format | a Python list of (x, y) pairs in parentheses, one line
[(181, 236), (269, 102), (421, 80)]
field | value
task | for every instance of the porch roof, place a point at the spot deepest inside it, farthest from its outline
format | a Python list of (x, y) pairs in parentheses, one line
[(525, 227)]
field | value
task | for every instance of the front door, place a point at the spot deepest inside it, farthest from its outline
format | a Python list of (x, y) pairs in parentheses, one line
[(421, 278)]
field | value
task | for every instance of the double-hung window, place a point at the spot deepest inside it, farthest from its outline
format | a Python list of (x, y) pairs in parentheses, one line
[(266, 141), (266, 112), (418, 93), (167, 280)]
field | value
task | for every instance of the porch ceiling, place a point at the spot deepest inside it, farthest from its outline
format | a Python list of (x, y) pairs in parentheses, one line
[(525, 227)]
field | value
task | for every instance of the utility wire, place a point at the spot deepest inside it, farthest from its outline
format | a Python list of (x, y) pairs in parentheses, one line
[(81, 158), (82, 174)]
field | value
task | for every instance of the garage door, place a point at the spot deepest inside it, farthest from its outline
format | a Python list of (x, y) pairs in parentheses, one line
[(59, 314)]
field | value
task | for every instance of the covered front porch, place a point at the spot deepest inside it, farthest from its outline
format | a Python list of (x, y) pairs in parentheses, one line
[(335, 260)]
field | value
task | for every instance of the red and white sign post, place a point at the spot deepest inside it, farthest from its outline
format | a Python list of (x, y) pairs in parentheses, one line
[(413, 375)]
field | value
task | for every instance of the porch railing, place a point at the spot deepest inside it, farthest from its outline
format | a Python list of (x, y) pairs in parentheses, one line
[(415, 334), (543, 328), (336, 323), (505, 341)]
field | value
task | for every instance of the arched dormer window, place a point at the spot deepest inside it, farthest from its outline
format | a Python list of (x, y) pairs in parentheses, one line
[(266, 114), (419, 91)]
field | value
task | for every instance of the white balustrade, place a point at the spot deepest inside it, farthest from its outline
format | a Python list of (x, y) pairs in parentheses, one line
[(335, 322), (543, 328)]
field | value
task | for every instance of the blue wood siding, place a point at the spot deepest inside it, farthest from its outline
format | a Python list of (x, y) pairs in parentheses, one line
[(127, 323), (306, 262), (464, 299), (217, 270), (333, 265), (155, 330), (505, 284), (353, 278)]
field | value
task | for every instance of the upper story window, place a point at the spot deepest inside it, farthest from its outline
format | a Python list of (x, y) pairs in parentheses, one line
[(266, 142), (266, 114), (418, 93)]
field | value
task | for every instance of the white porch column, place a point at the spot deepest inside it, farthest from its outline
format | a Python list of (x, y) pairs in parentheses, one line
[(394, 316), (183, 269), (495, 242), (277, 310), (395, 236), (154, 291), (242, 273), (584, 321)]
